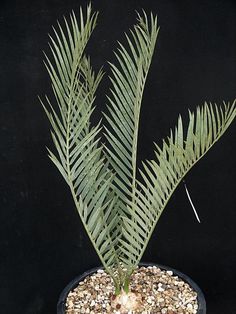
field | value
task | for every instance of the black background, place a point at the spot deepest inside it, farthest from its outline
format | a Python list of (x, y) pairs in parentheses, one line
[(43, 245)]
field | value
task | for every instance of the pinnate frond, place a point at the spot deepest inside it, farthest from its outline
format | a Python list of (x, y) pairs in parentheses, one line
[(128, 82), (178, 154), (78, 152)]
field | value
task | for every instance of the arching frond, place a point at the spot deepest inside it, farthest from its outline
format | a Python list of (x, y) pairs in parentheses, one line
[(79, 157), (162, 175)]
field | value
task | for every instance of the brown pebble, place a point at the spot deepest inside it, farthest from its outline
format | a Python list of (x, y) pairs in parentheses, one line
[(160, 293)]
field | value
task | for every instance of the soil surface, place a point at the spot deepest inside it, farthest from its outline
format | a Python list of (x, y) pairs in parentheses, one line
[(161, 293)]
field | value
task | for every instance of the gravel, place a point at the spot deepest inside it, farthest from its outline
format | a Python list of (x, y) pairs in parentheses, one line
[(161, 293)]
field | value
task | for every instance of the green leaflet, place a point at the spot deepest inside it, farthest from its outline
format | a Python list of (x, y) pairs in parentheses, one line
[(119, 212)]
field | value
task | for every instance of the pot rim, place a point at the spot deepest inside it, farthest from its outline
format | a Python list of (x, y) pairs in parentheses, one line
[(74, 283)]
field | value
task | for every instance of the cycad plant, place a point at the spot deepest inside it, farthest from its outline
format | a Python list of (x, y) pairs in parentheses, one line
[(119, 211)]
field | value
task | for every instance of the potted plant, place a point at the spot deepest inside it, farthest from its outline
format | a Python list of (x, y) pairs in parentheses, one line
[(119, 204)]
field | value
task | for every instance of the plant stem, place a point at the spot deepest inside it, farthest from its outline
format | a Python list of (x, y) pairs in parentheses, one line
[(127, 284)]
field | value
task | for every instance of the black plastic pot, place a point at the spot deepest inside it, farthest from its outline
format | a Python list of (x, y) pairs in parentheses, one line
[(74, 283)]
